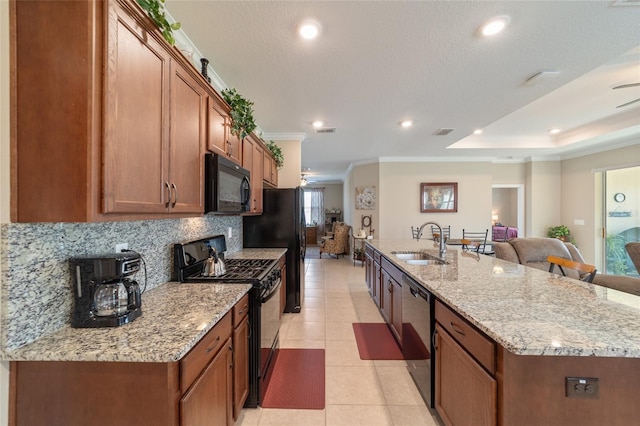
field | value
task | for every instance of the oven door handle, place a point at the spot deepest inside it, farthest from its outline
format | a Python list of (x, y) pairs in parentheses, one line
[(272, 293)]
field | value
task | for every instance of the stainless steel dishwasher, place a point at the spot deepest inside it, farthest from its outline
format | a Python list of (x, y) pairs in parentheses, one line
[(417, 328)]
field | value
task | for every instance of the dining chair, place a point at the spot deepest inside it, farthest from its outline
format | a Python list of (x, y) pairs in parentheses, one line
[(446, 232), (587, 272), (479, 237)]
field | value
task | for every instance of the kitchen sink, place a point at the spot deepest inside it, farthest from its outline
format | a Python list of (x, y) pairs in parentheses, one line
[(418, 258), (424, 262)]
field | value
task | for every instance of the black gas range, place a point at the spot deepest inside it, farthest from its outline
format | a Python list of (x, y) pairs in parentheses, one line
[(265, 313)]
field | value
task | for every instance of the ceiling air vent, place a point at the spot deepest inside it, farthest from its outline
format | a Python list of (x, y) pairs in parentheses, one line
[(325, 130), (443, 131)]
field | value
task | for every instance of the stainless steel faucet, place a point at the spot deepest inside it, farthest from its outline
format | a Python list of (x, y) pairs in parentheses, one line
[(443, 246)]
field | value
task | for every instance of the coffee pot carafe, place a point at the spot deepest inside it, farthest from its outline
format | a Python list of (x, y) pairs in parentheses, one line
[(103, 295)]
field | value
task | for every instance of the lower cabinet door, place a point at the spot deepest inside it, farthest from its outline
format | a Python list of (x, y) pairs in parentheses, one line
[(240, 366), (465, 393), (208, 401)]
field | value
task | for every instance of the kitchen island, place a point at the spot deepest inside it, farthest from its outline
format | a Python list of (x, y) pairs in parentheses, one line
[(524, 335)]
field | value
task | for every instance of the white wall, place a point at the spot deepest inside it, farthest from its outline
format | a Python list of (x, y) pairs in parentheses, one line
[(289, 174), (333, 198), (543, 197), (4, 177), (366, 175), (400, 196)]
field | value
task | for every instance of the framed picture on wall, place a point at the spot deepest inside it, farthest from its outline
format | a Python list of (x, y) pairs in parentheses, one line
[(439, 197), (365, 197)]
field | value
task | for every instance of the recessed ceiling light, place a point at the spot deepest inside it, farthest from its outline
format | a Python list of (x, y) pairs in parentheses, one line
[(309, 30), (317, 124), (554, 131), (495, 25), (406, 123), (477, 131)]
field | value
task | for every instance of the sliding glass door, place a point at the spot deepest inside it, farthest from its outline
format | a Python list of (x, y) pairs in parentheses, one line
[(621, 218)]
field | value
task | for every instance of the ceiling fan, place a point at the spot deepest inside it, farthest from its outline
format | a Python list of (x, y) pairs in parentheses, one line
[(624, 86)]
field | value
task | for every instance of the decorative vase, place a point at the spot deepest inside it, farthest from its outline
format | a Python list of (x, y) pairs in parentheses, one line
[(203, 70)]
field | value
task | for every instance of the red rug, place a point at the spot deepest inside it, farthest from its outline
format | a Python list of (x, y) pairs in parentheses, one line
[(375, 342), (297, 380)]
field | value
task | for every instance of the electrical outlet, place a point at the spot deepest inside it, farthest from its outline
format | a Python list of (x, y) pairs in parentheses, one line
[(230, 232), (582, 387), (122, 247)]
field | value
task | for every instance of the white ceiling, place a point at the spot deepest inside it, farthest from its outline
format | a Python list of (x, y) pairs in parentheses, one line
[(377, 63)]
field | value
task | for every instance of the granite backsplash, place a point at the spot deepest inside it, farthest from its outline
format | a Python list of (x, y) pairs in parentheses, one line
[(36, 296)]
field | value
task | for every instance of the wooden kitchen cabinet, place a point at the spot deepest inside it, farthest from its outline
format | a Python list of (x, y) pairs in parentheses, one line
[(240, 355), (391, 297), (368, 268), (220, 140), (270, 170), (252, 160), (162, 151), (208, 386), (372, 273), (116, 130), (466, 389), (208, 401)]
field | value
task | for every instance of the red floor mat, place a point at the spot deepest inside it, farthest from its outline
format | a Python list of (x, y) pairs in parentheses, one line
[(375, 342), (297, 380)]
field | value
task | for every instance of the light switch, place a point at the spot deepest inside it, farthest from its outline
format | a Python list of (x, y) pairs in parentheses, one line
[(578, 221)]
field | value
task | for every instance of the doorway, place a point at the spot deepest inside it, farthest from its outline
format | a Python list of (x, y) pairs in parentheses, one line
[(507, 206)]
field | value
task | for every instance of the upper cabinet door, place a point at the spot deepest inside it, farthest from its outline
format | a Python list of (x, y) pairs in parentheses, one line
[(217, 121), (234, 148), (186, 160), (136, 131)]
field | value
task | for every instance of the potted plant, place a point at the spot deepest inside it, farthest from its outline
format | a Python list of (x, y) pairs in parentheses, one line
[(155, 10), (277, 153), (560, 232), (358, 254), (242, 122)]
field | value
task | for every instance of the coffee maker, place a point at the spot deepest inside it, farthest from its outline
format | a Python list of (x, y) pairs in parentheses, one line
[(103, 295)]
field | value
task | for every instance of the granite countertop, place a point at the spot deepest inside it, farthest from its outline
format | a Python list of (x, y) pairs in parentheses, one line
[(174, 318), (526, 310), (257, 253)]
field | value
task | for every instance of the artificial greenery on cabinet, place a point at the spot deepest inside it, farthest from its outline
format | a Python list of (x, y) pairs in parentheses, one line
[(277, 153), (155, 10), (242, 122)]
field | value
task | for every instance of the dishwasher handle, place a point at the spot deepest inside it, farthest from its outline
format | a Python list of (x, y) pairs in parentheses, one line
[(416, 289)]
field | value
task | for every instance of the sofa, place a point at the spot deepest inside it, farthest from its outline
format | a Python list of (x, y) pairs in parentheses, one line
[(533, 252)]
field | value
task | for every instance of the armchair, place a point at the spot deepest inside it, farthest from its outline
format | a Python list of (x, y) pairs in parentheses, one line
[(339, 244)]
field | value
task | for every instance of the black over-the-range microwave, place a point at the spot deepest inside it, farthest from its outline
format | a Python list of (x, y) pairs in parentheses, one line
[(227, 186)]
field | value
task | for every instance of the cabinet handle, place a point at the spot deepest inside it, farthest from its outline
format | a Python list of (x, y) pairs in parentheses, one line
[(166, 185), (212, 347), (175, 194), (434, 340), (241, 311), (456, 328)]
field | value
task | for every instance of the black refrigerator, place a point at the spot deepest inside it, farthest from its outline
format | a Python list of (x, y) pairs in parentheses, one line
[(282, 224)]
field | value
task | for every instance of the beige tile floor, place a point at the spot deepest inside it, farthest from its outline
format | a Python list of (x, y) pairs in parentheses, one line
[(358, 392)]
